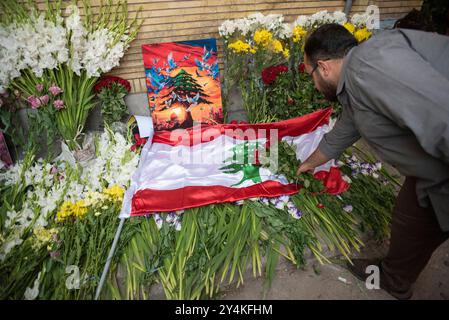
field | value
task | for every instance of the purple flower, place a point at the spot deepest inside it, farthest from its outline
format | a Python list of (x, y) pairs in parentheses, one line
[(55, 254), (295, 213), (39, 87), (171, 217), (353, 166), (59, 104), (53, 170), (55, 90), (348, 208), (35, 102), (44, 99)]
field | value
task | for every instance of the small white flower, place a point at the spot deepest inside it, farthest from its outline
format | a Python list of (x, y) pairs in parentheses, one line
[(171, 217), (280, 205), (284, 199), (378, 165), (159, 221), (348, 208)]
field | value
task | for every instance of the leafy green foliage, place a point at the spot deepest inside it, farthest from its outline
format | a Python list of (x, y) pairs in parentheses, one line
[(113, 107)]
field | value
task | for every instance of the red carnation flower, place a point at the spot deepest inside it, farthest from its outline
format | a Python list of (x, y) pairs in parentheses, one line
[(302, 68), (107, 80), (270, 74)]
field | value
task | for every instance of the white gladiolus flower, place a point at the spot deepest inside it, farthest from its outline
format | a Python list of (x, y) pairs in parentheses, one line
[(39, 44), (9, 245), (32, 293), (115, 165)]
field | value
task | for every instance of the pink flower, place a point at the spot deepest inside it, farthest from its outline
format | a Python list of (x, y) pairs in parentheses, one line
[(53, 170), (35, 102), (39, 87), (44, 99), (58, 104), (55, 90)]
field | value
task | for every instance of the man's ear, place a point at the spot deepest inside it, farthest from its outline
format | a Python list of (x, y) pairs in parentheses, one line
[(324, 67)]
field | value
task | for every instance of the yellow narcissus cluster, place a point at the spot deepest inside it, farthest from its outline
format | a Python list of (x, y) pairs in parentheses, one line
[(78, 209), (43, 236), (115, 193), (360, 34), (350, 27), (277, 47), (263, 37), (69, 209), (298, 34), (240, 46)]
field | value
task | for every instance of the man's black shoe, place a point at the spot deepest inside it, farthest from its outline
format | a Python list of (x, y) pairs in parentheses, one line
[(359, 270)]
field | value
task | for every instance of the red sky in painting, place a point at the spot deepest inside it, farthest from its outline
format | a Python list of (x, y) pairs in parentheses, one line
[(161, 51)]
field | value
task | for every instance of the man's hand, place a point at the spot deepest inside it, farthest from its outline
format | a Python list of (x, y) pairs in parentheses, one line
[(304, 167), (316, 159)]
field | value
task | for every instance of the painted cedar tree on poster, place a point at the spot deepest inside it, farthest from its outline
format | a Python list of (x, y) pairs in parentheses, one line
[(183, 83)]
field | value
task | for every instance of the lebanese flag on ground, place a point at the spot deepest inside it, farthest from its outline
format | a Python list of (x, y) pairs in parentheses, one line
[(199, 166)]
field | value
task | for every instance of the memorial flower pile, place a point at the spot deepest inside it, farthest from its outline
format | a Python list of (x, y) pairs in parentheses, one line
[(64, 54)]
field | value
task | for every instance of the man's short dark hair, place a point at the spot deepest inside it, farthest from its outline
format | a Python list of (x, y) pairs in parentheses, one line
[(330, 41)]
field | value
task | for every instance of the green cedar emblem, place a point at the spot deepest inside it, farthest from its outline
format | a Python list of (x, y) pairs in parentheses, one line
[(244, 152)]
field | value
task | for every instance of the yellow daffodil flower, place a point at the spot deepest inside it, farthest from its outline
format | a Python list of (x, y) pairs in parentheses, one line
[(362, 34), (298, 33), (263, 37), (350, 27)]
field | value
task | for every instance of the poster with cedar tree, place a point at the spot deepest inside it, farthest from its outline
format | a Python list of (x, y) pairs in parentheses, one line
[(183, 83)]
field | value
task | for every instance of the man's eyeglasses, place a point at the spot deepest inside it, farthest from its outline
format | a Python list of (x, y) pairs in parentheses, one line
[(313, 70)]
